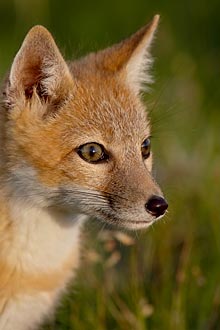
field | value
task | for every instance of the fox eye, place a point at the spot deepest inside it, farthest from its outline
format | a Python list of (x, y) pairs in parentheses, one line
[(92, 152), (145, 148)]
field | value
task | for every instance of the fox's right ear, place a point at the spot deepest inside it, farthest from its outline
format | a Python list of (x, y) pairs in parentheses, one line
[(39, 68)]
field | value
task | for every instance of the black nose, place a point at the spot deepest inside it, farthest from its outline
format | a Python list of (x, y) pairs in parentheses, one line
[(156, 206)]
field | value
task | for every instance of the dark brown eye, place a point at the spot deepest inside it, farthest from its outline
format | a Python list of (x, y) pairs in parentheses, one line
[(145, 148), (92, 152)]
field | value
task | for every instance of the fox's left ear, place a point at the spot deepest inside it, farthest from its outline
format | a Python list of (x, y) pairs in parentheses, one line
[(130, 58), (39, 67)]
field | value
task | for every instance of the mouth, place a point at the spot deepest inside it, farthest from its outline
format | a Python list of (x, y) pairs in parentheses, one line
[(118, 221), (134, 225)]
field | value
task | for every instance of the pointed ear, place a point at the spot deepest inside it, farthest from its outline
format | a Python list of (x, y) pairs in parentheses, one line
[(39, 66), (131, 57)]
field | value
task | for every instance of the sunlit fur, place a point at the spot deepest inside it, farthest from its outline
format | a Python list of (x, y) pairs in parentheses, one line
[(47, 191)]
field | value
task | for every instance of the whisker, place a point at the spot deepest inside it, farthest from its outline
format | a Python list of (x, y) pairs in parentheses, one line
[(66, 192), (105, 193)]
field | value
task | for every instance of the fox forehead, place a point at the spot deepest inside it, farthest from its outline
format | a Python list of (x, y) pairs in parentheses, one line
[(104, 111)]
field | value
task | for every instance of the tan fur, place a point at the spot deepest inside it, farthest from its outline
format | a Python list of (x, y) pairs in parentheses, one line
[(15, 281), (50, 110)]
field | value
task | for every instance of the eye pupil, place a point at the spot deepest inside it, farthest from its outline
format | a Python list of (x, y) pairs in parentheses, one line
[(145, 148), (92, 152)]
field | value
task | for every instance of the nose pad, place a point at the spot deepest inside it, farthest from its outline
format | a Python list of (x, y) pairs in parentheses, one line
[(156, 206)]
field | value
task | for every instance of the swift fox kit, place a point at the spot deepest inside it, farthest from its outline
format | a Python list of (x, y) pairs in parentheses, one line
[(74, 143)]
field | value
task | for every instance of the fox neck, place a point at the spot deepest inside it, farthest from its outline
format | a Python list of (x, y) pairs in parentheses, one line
[(37, 239), (39, 251)]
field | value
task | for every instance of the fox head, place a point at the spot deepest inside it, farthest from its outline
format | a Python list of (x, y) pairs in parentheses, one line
[(76, 136)]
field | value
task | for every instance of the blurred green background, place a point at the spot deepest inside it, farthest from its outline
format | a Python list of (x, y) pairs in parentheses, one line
[(168, 277)]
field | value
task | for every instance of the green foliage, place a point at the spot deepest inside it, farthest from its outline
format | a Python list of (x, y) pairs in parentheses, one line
[(168, 277)]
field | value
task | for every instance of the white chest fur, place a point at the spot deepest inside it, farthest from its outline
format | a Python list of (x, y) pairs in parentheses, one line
[(41, 243), (42, 239)]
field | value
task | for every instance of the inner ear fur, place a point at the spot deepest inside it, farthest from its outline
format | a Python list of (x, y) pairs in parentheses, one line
[(39, 66)]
